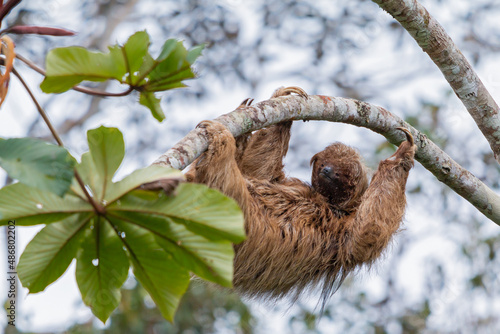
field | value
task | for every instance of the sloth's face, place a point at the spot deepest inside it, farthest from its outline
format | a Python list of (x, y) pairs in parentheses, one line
[(339, 175)]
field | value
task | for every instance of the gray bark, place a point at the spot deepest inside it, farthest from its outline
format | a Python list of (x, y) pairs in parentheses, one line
[(434, 40), (334, 109)]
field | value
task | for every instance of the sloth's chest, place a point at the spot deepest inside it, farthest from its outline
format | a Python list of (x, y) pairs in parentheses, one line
[(285, 207)]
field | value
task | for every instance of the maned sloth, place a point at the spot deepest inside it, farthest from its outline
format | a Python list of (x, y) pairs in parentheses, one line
[(301, 235)]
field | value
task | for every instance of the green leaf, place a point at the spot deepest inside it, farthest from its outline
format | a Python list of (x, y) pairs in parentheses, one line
[(194, 53), (202, 210), (135, 50), (171, 67), (211, 260), (171, 82), (130, 63), (206, 211), (67, 67), (170, 63), (107, 150), (150, 101), (31, 206), (87, 171), (101, 269), (168, 47), (156, 270), (50, 252), (138, 177), (147, 66), (38, 164)]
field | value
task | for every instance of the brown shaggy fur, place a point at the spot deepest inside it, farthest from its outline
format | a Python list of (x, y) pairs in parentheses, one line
[(301, 236)]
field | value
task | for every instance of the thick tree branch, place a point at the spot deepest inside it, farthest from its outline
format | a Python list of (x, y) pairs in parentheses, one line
[(349, 111), (434, 40)]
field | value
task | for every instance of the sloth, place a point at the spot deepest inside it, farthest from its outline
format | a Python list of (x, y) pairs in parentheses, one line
[(303, 236)]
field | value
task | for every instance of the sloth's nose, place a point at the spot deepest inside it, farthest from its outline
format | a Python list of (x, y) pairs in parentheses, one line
[(328, 172)]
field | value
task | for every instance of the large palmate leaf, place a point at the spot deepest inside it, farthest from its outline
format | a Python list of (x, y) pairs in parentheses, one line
[(102, 268), (50, 252), (112, 224), (37, 163), (156, 270)]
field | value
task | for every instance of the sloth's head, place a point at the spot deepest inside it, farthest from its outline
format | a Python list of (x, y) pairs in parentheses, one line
[(339, 175)]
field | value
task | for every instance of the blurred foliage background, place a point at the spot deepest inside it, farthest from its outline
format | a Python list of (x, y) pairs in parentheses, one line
[(441, 274)]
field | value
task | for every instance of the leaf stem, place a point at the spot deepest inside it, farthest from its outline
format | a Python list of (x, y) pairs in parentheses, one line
[(99, 209), (76, 88), (40, 109)]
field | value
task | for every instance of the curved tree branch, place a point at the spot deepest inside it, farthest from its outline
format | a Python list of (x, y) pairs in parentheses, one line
[(334, 109), (434, 40)]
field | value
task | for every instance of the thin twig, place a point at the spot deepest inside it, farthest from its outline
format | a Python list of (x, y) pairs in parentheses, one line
[(39, 108), (5, 9), (76, 88), (103, 94), (97, 207)]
